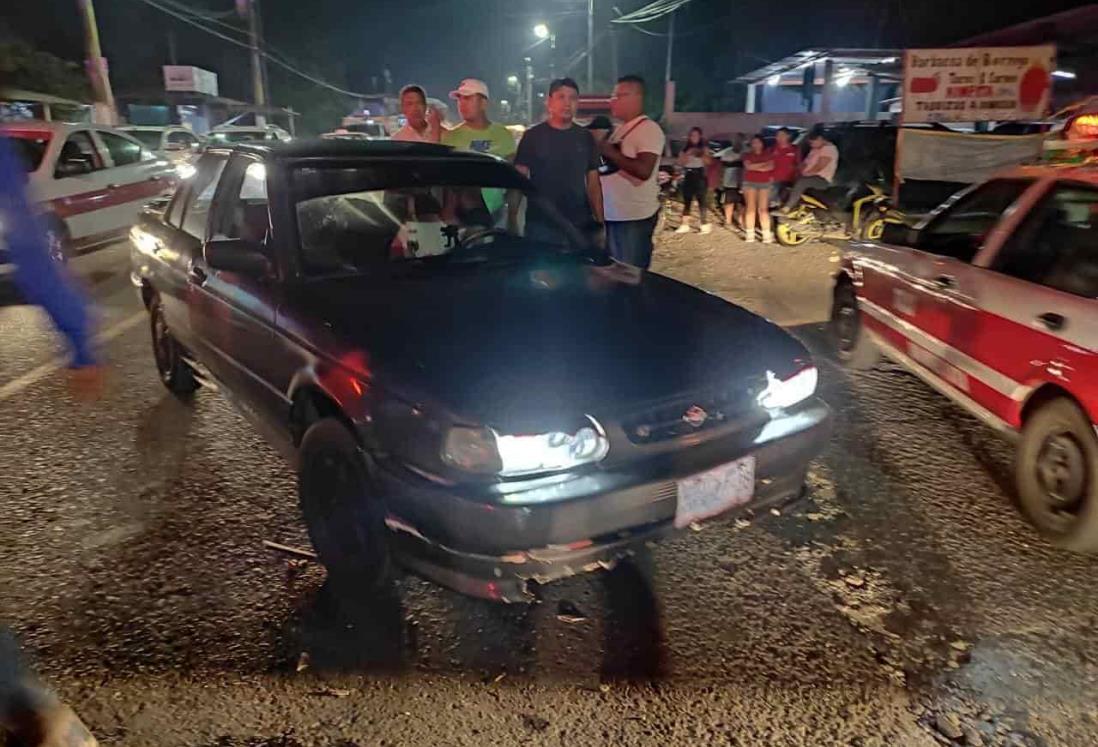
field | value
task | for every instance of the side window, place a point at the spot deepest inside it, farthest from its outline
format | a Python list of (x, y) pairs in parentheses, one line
[(78, 156), (200, 195), (959, 230), (123, 151), (1056, 245), (244, 215)]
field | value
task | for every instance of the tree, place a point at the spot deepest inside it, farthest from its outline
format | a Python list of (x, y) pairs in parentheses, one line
[(23, 66)]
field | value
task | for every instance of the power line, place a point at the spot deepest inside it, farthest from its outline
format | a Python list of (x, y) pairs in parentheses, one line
[(275, 58), (651, 12), (197, 15)]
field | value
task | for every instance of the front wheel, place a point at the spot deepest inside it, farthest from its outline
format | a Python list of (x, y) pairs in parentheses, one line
[(175, 373), (1056, 475), (853, 347), (788, 236), (343, 513)]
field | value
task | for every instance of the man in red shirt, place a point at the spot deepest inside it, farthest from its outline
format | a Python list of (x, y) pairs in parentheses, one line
[(787, 163)]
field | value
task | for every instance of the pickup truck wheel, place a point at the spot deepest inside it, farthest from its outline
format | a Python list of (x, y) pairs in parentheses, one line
[(344, 516), (853, 347), (1056, 475), (174, 372)]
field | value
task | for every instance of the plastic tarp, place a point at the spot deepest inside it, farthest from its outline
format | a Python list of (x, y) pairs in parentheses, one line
[(963, 157)]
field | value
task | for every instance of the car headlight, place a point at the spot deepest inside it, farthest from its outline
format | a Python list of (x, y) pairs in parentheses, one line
[(484, 451), (782, 393), (185, 170)]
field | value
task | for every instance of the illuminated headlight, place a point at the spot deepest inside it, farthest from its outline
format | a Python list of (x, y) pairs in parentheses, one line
[(185, 170), (145, 242), (482, 450), (782, 393)]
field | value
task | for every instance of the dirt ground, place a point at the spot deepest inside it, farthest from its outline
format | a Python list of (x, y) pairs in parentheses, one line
[(788, 285)]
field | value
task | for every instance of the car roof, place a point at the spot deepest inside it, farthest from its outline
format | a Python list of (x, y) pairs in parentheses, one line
[(354, 148)]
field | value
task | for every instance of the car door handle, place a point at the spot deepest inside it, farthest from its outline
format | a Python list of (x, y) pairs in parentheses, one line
[(198, 274), (114, 186), (946, 281), (1052, 321)]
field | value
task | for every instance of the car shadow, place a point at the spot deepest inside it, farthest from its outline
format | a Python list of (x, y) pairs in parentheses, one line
[(634, 643)]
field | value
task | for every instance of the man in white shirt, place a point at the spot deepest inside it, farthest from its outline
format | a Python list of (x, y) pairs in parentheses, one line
[(818, 169), (422, 121), (630, 175)]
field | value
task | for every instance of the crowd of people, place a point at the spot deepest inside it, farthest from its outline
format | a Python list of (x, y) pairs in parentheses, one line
[(602, 179), (605, 179)]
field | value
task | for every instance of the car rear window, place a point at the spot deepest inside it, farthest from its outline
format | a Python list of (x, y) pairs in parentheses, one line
[(31, 147)]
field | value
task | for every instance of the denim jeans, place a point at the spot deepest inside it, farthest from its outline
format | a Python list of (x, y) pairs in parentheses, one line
[(630, 241), (805, 182)]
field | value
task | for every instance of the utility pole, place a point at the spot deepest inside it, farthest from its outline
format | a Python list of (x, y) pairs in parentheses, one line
[(670, 48), (529, 90), (171, 47), (259, 91), (590, 45), (96, 67)]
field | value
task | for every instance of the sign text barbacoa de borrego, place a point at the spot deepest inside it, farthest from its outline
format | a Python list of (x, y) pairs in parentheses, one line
[(977, 84)]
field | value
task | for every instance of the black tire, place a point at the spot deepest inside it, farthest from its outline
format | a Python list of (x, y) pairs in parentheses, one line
[(853, 347), (343, 513), (1056, 475), (873, 229), (174, 371), (787, 235), (58, 241)]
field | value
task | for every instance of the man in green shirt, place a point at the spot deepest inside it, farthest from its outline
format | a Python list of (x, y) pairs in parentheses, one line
[(476, 132)]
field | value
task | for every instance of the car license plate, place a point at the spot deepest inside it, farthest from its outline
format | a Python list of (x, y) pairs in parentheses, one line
[(714, 492)]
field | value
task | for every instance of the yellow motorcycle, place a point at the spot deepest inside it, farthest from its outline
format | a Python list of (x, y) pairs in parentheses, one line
[(824, 214)]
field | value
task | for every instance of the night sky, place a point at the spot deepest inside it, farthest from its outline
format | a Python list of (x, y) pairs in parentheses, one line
[(436, 42)]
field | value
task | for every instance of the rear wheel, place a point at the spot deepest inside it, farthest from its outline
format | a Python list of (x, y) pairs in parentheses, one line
[(873, 229), (342, 511), (174, 372), (1055, 470), (853, 347)]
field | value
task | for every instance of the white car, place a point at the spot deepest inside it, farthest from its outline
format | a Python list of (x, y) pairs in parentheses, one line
[(177, 144), (228, 134), (89, 182)]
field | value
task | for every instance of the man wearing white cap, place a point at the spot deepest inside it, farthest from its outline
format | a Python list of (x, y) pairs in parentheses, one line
[(476, 132)]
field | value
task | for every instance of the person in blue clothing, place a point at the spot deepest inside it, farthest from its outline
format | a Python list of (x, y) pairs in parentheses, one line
[(28, 710), (40, 279)]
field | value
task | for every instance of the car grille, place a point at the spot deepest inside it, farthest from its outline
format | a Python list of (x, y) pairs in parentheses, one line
[(688, 417)]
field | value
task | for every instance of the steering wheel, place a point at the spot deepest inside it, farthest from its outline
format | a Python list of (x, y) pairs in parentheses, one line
[(477, 236)]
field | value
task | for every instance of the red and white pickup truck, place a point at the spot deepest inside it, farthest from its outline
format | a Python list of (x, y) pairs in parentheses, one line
[(90, 182), (991, 300)]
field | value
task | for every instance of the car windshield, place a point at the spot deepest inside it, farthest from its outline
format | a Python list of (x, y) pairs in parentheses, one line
[(435, 211), (31, 147), (149, 138), (373, 129), (240, 136)]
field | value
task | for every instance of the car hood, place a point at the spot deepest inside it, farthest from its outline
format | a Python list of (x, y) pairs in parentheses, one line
[(517, 346)]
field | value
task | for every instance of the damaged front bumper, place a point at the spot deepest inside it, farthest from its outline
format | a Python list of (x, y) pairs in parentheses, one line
[(483, 548)]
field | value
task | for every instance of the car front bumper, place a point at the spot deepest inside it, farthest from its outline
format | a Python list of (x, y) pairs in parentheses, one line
[(558, 527)]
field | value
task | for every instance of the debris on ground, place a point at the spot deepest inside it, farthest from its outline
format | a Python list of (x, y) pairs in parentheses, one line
[(298, 552), (534, 723), (949, 725), (569, 613)]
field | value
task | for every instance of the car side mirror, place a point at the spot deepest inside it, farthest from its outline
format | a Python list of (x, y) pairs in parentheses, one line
[(240, 256), (74, 167), (899, 234)]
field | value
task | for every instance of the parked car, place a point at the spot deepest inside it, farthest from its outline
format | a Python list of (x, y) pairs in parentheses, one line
[(90, 182), (229, 134), (992, 301), (486, 408), (178, 144)]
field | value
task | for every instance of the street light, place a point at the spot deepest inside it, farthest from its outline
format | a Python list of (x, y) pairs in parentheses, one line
[(541, 31), (513, 81)]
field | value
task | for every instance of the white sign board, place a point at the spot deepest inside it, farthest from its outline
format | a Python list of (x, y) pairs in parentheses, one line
[(977, 84), (190, 79)]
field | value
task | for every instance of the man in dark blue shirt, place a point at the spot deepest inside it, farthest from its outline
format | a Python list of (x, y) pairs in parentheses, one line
[(562, 161)]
